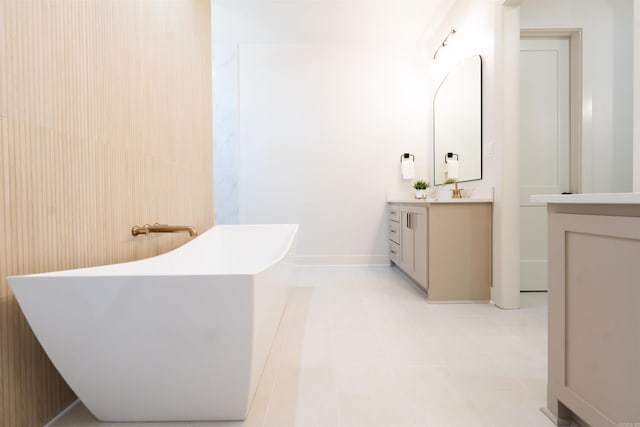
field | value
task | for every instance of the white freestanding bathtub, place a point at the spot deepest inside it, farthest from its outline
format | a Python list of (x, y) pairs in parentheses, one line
[(182, 336)]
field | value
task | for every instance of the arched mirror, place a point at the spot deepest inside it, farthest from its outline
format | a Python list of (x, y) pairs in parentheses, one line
[(457, 124)]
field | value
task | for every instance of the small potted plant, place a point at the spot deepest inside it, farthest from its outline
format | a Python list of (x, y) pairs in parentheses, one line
[(421, 188)]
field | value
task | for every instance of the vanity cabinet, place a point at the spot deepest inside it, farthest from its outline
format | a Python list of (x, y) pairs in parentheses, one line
[(445, 248), (594, 293)]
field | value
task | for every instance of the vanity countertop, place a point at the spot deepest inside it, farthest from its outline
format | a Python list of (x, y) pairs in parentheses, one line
[(440, 195), (589, 198), (439, 200)]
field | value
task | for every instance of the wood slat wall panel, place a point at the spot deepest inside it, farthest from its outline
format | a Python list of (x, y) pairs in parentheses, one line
[(105, 122)]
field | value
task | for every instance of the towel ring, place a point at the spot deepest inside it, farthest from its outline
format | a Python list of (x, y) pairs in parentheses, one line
[(406, 156), (450, 156)]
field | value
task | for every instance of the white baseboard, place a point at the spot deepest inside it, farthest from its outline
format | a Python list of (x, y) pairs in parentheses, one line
[(342, 260), (62, 413)]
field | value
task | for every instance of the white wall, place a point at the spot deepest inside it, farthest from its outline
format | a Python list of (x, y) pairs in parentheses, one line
[(607, 37), (322, 127), (304, 21), (475, 25), (226, 156)]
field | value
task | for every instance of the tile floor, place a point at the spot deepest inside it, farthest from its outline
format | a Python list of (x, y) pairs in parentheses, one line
[(360, 346)]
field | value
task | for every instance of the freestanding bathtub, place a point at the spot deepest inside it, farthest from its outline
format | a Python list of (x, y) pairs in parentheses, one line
[(182, 336)]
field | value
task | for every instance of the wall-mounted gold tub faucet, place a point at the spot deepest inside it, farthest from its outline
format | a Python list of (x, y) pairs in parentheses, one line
[(163, 228)]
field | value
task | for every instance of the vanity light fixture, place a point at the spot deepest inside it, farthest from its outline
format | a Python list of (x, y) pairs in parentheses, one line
[(444, 43)]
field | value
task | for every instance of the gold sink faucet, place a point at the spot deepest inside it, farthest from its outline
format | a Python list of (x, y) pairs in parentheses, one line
[(163, 228), (456, 193)]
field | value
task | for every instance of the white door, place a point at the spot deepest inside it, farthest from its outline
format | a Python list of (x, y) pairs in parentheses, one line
[(544, 147)]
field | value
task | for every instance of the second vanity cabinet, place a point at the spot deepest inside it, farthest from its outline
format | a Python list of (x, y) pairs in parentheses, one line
[(443, 247), (594, 295)]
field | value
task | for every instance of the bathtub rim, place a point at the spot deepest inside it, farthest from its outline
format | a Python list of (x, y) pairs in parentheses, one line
[(105, 269)]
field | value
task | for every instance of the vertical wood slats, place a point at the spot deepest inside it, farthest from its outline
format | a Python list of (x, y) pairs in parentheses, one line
[(105, 122)]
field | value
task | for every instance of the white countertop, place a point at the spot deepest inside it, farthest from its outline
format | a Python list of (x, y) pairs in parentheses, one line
[(601, 198), (439, 201), (471, 193)]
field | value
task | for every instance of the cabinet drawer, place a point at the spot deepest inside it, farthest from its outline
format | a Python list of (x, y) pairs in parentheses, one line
[(394, 231), (394, 252), (394, 213)]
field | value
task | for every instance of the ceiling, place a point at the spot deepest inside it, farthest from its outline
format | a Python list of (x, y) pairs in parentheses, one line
[(308, 21)]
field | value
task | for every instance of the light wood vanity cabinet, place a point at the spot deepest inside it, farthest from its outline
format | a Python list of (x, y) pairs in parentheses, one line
[(594, 296), (445, 248)]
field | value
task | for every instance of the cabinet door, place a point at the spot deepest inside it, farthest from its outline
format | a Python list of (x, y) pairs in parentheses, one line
[(593, 316), (459, 252), (406, 243), (413, 252)]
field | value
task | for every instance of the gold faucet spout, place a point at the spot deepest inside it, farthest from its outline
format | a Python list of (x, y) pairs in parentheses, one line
[(163, 228), (456, 192)]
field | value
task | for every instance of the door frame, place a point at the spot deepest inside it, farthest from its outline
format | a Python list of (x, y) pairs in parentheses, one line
[(574, 35)]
